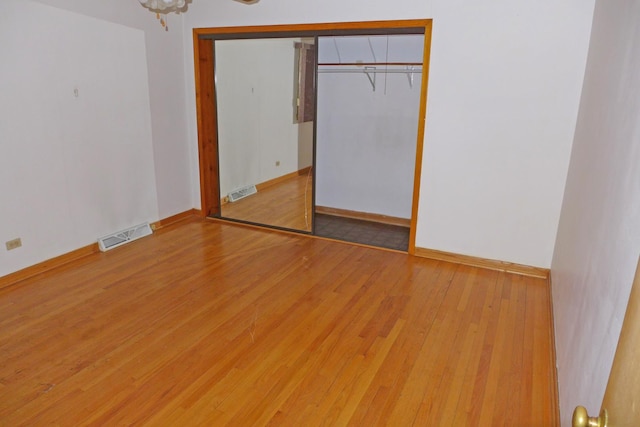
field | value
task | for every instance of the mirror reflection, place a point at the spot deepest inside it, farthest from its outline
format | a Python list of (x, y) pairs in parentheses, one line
[(265, 137)]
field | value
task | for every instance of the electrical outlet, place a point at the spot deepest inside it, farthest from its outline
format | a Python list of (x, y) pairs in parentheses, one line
[(13, 244), (277, 162)]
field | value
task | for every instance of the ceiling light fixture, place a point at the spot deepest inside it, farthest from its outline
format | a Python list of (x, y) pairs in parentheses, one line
[(162, 7)]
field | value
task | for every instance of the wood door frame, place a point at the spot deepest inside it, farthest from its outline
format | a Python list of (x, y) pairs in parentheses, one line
[(207, 117), (205, 94)]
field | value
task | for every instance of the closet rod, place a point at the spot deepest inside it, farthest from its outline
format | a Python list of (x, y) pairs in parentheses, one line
[(371, 72), (360, 64), (376, 71)]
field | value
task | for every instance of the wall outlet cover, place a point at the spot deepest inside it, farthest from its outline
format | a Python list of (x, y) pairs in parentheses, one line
[(13, 244)]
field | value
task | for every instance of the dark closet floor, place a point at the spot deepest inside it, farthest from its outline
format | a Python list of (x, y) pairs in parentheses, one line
[(364, 232)]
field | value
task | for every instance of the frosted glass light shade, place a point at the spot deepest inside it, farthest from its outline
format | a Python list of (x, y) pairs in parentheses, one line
[(164, 6)]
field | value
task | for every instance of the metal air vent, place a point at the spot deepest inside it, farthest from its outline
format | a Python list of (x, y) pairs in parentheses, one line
[(125, 236), (243, 192)]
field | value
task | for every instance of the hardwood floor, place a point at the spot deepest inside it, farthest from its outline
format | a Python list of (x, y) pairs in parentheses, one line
[(287, 204), (206, 323)]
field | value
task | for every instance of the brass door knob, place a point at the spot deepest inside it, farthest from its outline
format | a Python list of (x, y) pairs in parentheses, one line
[(582, 419)]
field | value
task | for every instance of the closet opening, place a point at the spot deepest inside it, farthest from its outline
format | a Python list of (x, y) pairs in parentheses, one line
[(314, 128), (367, 125)]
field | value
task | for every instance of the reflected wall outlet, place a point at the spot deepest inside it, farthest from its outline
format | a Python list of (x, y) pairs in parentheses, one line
[(13, 244)]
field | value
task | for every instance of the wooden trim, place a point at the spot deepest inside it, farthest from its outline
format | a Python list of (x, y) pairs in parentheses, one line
[(304, 171), (420, 138), (277, 180), (207, 125), (318, 27), (201, 153), (490, 264), (44, 266), (60, 260), (365, 216), (554, 393), (374, 27), (174, 219), (225, 199)]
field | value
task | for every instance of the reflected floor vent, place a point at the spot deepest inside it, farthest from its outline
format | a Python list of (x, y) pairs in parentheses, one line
[(125, 236), (243, 192)]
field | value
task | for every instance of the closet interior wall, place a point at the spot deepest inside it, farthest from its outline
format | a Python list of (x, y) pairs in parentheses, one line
[(367, 119)]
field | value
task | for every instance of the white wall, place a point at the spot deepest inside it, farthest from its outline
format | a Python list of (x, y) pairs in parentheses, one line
[(164, 55), (73, 166), (503, 97), (161, 53), (366, 143), (599, 234), (255, 82)]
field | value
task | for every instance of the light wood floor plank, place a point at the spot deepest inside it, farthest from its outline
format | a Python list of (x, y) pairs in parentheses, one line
[(211, 324)]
